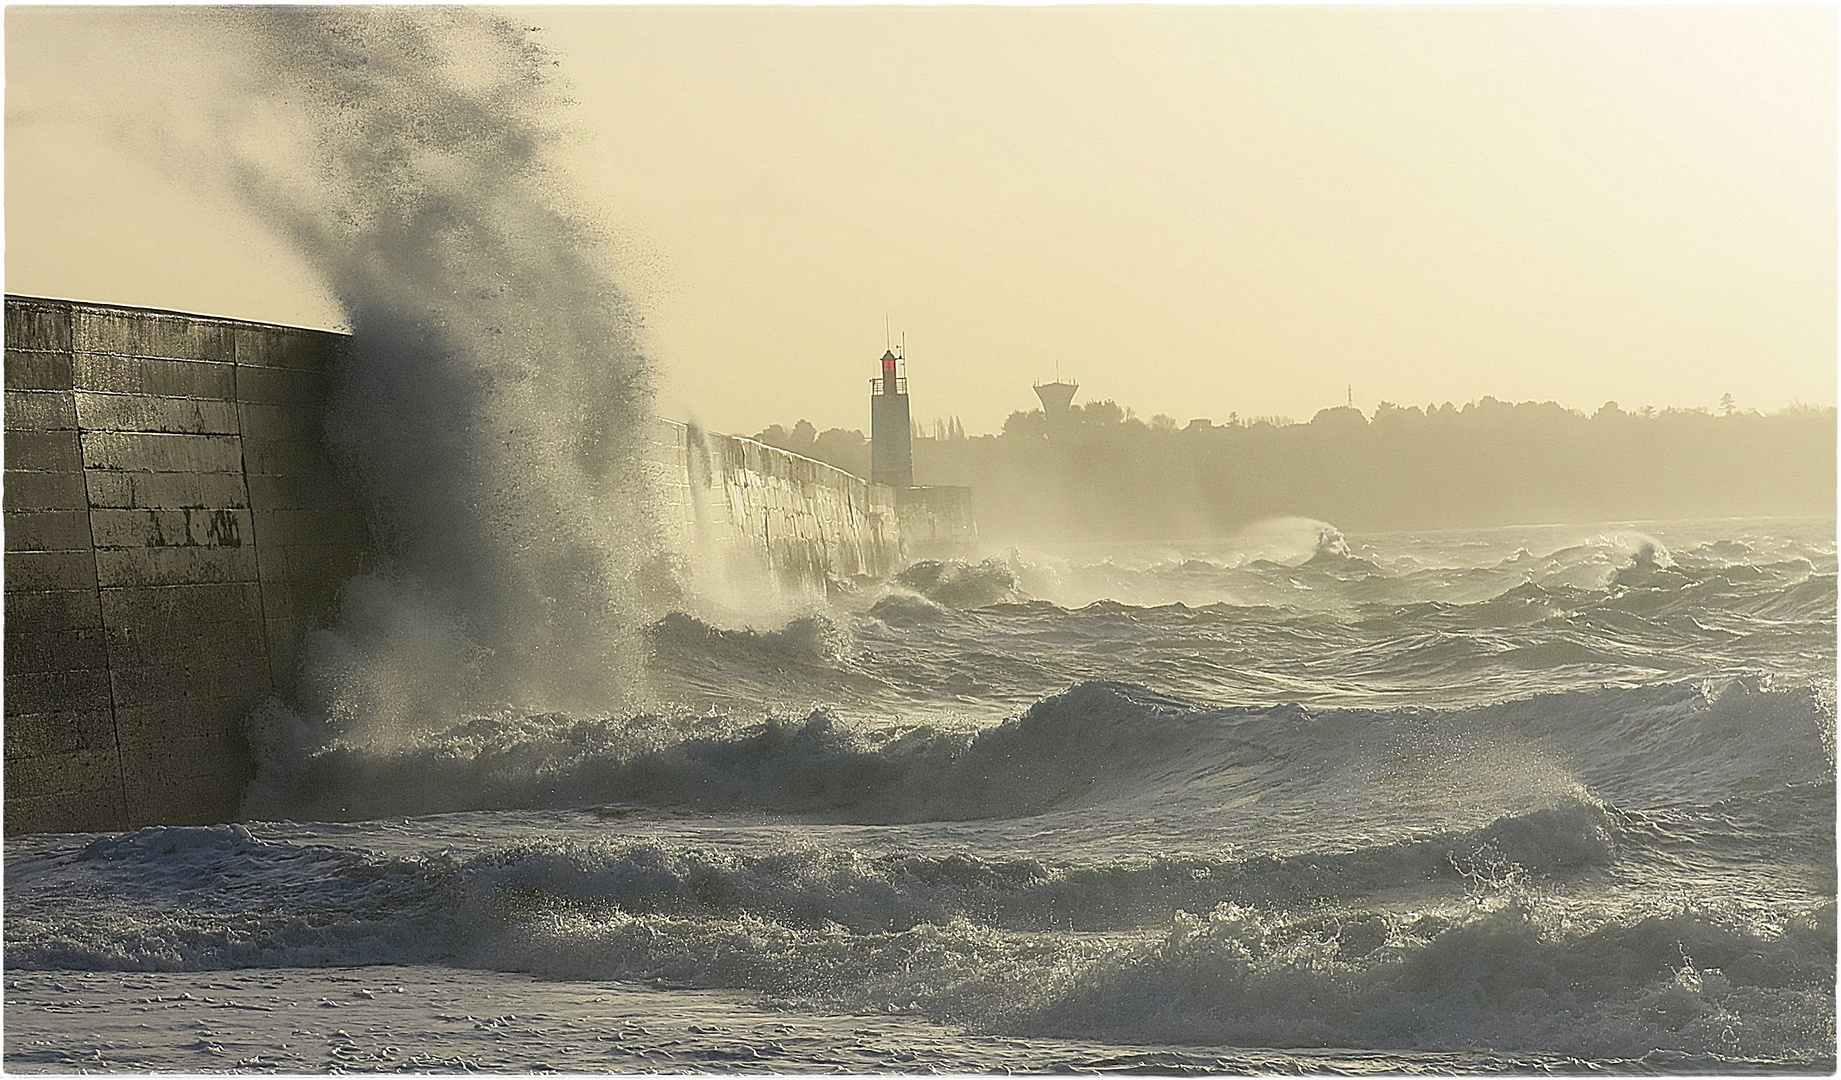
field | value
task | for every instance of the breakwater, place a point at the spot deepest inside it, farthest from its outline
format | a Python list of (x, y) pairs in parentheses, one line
[(752, 516), (175, 525)]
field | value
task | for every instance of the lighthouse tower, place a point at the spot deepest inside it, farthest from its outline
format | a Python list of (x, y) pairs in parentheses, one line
[(891, 445)]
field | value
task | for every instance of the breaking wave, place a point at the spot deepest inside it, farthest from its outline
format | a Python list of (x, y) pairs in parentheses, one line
[(1095, 743), (956, 937), (956, 583), (1513, 978)]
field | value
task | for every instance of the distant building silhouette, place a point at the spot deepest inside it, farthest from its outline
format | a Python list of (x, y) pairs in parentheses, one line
[(1056, 396)]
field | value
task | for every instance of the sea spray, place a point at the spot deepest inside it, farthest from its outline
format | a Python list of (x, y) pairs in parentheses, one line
[(493, 404), (494, 400)]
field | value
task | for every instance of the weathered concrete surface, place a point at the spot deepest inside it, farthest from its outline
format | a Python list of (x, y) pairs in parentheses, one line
[(752, 514), (173, 527)]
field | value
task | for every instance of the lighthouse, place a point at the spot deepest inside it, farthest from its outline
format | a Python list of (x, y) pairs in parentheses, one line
[(891, 445)]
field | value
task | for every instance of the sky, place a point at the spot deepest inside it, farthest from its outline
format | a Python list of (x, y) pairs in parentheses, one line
[(1193, 211)]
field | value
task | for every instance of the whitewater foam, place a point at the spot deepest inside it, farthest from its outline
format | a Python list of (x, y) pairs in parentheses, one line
[(1498, 832)]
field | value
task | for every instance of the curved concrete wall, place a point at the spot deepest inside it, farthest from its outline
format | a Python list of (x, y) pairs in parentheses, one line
[(750, 513)]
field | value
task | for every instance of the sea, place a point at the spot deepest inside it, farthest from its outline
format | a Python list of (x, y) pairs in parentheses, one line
[(1525, 799)]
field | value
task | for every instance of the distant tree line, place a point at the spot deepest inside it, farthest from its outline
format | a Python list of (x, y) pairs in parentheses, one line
[(847, 449), (1100, 472)]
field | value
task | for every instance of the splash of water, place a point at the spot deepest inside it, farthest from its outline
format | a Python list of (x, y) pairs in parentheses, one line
[(494, 401), (1294, 539)]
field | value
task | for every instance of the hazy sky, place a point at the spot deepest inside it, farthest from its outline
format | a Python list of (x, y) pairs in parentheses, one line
[(1194, 211)]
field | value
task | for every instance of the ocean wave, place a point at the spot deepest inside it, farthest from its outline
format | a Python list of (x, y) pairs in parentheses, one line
[(956, 583), (1687, 981), (807, 637), (1099, 742), (815, 888), (1311, 566), (1219, 957), (906, 609), (209, 897)]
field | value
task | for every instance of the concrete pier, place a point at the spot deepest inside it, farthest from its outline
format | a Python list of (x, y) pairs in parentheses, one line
[(760, 515), (175, 525)]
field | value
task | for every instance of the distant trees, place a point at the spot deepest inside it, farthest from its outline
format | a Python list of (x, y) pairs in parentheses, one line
[(944, 430), (847, 449), (1097, 471)]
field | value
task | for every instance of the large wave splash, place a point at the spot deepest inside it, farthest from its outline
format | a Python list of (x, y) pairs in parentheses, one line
[(494, 399)]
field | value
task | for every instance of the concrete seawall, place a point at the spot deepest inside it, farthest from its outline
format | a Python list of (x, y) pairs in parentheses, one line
[(175, 525), (754, 515)]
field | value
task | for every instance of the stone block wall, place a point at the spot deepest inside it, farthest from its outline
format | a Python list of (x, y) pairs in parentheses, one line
[(173, 525)]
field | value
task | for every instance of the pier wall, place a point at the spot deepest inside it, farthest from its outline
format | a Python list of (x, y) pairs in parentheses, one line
[(175, 525), (757, 516)]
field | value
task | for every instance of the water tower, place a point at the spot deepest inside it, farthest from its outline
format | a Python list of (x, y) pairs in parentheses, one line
[(1056, 396), (891, 446)]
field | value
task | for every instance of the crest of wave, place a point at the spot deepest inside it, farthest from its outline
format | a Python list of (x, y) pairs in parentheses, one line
[(494, 403)]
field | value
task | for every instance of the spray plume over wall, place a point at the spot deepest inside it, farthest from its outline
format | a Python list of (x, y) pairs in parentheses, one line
[(494, 399)]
